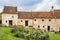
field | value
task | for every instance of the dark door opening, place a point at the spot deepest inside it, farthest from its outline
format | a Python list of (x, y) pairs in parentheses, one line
[(26, 23), (0, 21), (10, 22), (48, 28)]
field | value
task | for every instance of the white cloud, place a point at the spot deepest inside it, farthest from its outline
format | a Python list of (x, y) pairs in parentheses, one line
[(45, 5), (1, 8), (56, 6)]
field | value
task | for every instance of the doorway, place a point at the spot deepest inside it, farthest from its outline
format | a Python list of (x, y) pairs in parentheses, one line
[(0, 21), (26, 23), (48, 28), (10, 22)]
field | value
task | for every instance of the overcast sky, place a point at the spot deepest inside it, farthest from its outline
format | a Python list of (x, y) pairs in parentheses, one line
[(31, 5)]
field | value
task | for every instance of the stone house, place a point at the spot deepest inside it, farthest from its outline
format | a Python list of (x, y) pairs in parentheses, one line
[(48, 21), (9, 15)]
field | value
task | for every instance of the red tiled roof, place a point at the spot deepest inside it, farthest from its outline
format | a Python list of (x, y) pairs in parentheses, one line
[(25, 15), (43, 15)]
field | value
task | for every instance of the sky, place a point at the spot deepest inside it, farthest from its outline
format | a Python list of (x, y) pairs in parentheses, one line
[(31, 5)]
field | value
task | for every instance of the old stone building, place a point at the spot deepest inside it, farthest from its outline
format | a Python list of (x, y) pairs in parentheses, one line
[(48, 21), (9, 15)]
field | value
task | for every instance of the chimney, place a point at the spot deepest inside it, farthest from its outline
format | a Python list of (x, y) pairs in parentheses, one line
[(52, 11)]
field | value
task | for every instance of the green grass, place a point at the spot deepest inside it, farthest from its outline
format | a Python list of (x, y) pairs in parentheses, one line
[(5, 34), (53, 36)]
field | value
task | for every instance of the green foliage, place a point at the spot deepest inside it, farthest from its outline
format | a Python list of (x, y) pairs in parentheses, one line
[(28, 33), (19, 34)]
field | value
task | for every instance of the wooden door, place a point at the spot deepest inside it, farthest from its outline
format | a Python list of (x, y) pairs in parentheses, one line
[(26, 23), (10, 22)]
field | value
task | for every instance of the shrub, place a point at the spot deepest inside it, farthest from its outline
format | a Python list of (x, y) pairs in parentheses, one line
[(12, 31), (44, 37), (29, 33), (36, 34), (19, 35)]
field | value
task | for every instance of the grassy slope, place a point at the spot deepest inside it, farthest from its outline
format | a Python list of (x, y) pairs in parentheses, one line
[(53, 36), (6, 35)]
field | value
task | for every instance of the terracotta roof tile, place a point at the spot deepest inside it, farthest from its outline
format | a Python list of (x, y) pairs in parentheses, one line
[(43, 15), (24, 15), (34, 14)]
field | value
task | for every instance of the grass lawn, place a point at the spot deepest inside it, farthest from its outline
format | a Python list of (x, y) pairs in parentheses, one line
[(5, 34), (53, 36)]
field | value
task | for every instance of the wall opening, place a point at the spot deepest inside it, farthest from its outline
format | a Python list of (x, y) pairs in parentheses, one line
[(26, 23), (48, 28), (10, 23), (0, 21)]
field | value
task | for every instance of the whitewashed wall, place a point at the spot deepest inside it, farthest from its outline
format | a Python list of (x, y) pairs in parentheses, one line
[(9, 17)]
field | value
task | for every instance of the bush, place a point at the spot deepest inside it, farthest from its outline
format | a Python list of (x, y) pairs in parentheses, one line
[(12, 31), (29, 33), (44, 37), (36, 34), (19, 35)]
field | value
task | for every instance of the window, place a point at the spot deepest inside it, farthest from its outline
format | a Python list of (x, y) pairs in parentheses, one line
[(38, 26), (49, 19), (42, 19), (21, 20), (35, 19), (12, 16), (6, 21), (43, 26)]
